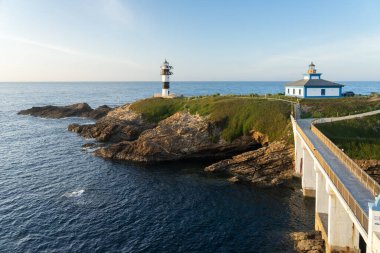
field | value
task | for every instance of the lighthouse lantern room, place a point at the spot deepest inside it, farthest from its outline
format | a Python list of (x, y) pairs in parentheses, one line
[(166, 73)]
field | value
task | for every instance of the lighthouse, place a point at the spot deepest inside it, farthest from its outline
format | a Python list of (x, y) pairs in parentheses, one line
[(313, 86), (165, 73)]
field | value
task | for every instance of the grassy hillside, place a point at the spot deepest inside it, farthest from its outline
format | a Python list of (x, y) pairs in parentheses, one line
[(360, 138), (237, 115), (333, 107)]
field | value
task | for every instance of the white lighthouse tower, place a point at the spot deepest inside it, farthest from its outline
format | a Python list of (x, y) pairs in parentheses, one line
[(165, 73)]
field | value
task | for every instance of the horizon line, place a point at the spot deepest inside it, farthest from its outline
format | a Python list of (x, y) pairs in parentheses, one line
[(124, 81)]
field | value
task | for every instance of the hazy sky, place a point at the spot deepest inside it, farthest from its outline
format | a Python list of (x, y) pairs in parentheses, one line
[(95, 40)]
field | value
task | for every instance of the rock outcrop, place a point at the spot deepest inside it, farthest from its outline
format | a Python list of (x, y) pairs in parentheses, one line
[(372, 167), (308, 242), (128, 136), (120, 124), (267, 166), (75, 110), (181, 136)]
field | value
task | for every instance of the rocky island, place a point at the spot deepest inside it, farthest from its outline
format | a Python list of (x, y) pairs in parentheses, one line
[(249, 137), (245, 139), (214, 128), (76, 110)]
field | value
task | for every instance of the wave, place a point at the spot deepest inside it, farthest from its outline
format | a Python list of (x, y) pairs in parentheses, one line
[(76, 193)]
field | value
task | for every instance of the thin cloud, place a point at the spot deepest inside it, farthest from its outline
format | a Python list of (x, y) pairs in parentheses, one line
[(66, 50), (42, 45)]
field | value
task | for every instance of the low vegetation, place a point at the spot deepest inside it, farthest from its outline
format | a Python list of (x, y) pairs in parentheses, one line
[(237, 115), (360, 138), (336, 107)]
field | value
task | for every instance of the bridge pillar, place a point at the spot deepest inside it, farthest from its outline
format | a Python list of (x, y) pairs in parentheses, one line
[(308, 175), (322, 197), (374, 227), (342, 233), (321, 204), (298, 154)]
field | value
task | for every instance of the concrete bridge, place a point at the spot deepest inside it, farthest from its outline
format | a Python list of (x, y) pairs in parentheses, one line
[(347, 209)]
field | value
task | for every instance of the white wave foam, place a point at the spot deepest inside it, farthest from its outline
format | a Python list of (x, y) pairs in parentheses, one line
[(77, 193)]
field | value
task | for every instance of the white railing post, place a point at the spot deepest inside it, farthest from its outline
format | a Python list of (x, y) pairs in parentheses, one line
[(373, 245)]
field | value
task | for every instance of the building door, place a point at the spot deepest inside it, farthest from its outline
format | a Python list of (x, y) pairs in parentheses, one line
[(323, 92)]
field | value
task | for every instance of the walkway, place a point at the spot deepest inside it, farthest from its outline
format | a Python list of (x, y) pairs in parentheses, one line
[(358, 191), (360, 115)]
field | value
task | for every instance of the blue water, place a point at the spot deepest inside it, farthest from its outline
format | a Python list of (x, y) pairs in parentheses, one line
[(56, 198)]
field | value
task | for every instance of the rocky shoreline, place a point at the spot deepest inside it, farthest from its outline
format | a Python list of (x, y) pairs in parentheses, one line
[(123, 134), (266, 166)]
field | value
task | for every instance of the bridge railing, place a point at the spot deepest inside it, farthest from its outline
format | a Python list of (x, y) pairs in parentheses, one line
[(366, 179), (351, 202)]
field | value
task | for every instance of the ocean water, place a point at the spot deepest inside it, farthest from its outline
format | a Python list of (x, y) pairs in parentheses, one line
[(56, 198)]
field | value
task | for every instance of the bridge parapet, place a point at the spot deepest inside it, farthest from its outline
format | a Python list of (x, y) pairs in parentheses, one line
[(366, 180), (359, 213), (345, 181)]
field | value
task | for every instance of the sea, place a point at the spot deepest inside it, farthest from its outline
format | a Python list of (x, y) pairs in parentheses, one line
[(54, 197)]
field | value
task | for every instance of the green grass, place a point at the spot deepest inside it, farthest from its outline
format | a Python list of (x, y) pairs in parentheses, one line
[(318, 108), (237, 115), (360, 138)]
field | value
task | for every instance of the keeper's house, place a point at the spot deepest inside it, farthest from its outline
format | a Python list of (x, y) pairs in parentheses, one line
[(312, 86)]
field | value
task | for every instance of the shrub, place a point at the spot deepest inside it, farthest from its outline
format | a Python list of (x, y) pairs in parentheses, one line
[(334, 107), (360, 138)]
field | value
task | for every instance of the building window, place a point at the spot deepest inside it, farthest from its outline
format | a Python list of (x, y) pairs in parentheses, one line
[(294, 91), (323, 92), (299, 92), (288, 91)]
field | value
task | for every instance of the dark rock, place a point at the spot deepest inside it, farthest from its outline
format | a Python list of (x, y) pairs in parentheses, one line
[(75, 110), (107, 130), (99, 112), (267, 166)]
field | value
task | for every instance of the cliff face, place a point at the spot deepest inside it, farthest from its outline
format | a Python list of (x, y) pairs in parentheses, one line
[(181, 136), (267, 166)]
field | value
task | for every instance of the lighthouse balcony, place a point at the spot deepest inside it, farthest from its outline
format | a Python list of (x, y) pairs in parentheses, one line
[(166, 72)]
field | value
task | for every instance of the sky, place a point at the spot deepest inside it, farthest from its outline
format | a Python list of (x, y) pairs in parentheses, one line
[(204, 40)]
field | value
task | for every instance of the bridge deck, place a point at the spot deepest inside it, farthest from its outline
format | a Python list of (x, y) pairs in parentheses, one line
[(359, 192)]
